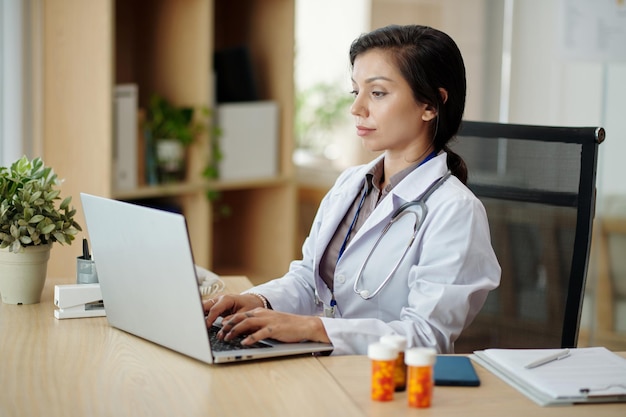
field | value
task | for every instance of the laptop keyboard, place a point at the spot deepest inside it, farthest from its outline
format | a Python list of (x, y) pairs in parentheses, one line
[(218, 345)]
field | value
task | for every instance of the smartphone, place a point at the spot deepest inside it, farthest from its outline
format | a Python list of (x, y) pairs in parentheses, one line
[(455, 371)]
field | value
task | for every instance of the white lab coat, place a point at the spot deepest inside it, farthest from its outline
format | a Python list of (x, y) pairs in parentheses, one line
[(438, 289)]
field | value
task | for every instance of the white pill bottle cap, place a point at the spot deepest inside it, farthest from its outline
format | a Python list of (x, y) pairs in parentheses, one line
[(381, 352), (420, 356)]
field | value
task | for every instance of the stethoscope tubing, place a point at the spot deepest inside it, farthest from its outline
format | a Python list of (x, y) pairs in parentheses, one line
[(397, 215)]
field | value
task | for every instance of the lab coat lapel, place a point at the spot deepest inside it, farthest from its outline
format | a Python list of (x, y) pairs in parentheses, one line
[(414, 185), (342, 199)]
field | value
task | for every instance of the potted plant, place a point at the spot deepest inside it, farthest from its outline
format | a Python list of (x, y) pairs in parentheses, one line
[(31, 220), (171, 130)]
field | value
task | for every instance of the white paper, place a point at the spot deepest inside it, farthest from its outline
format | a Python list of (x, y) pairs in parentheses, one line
[(587, 372)]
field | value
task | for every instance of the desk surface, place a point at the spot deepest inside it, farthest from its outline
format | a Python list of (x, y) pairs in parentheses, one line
[(83, 367), (493, 398), (80, 367)]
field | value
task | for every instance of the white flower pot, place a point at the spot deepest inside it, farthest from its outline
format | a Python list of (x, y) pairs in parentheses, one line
[(22, 275), (170, 154)]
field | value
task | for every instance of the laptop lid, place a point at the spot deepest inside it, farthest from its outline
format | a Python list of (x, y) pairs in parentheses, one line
[(148, 280)]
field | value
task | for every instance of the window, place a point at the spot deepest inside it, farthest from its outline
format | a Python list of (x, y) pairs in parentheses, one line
[(17, 105)]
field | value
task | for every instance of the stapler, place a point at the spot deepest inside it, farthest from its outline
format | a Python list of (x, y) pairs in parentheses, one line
[(78, 300)]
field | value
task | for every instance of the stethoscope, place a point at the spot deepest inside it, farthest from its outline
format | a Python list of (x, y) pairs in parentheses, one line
[(402, 211)]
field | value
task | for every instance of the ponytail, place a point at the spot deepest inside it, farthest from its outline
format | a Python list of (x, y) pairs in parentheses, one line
[(457, 165)]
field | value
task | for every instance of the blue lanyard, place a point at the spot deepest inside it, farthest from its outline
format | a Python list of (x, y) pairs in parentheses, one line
[(356, 216), (330, 312)]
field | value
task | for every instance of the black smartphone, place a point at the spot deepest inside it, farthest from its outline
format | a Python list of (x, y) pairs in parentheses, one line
[(455, 371)]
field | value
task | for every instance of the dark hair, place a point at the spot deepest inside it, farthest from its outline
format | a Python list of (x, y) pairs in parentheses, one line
[(429, 60)]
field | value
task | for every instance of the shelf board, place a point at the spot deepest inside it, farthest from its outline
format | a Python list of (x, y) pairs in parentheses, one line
[(161, 190), (225, 185), (183, 188)]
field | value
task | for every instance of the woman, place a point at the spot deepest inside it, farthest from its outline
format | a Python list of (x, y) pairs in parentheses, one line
[(409, 96)]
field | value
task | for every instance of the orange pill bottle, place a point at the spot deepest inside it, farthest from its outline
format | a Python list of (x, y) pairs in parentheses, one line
[(383, 361), (399, 342), (420, 379)]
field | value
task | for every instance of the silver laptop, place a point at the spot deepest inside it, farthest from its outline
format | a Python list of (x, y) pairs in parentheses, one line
[(149, 286)]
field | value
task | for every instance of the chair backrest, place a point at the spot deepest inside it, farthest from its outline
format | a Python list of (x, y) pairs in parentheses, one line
[(538, 186)]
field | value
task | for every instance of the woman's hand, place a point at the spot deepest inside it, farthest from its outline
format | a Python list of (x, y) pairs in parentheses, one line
[(229, 304), (262, 323)]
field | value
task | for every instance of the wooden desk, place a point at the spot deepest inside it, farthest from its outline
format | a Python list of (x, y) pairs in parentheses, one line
[(494, 397), (83, 367)]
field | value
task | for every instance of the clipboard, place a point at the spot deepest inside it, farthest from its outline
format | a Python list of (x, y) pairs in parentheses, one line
[(586, 375)]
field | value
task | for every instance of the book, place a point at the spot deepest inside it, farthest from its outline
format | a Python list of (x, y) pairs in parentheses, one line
[(250, 132), (558, 376), (125, 144)]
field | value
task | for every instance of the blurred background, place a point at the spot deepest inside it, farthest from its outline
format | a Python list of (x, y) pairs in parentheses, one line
[(549, 62)]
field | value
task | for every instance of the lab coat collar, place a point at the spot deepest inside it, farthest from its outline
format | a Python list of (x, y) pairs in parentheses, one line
[(411, 187), (416, 183), (354, 184)]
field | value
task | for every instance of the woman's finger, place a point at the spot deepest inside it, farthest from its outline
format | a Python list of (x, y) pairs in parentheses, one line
[(263, 333), (241, 323), (216, 307)]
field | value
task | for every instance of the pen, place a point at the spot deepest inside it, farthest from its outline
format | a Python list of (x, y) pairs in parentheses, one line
[(86, 255), (547, 359)]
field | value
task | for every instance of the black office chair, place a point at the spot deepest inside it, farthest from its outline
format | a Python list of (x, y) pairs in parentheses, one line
[(538, 186)]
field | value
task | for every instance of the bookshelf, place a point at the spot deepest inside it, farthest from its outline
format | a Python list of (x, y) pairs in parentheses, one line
[(166, 46)]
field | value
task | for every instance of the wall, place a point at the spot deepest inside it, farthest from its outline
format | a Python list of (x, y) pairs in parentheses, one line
[(547, 88)]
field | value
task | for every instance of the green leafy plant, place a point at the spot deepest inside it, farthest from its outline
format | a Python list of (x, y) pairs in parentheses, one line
[(166, 121), (319, 109), (211, 171), (28, 212)]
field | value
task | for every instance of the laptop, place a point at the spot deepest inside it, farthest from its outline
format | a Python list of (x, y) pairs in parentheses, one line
[(149, 286)]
